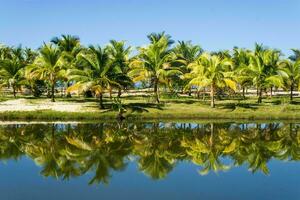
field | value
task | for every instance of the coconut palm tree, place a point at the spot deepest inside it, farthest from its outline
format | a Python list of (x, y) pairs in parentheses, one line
[(96, 75), (67, 43), (153, 63), (155, 37), (29, 55), (292, 78), (5, 52), (48, 66), (241, 62), (12, 69), (211, 71), (11, 74), (70, 47), (119, 55), (296, 55), (264, 70), (185, 54)]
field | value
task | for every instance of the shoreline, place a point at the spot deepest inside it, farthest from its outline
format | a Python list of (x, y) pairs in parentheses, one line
[(74, 117), (138, 109)]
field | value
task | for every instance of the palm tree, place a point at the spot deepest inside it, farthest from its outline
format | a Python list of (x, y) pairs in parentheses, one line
[(119, 55), (241, 62), (185, 53), (264, 70), (70, 48), (213, 71), (5, 52), (292, 78), (12, 69), (153, 63), (155, 37), (96, 73), (296, 55), (67, 43), (48, 66), (11, 75), (29, 55)]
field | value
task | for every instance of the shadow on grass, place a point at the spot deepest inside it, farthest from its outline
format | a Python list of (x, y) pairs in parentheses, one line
[(134, 107), (294, 103), (140, 107), (186, 101), (233, 106), (276, 102)]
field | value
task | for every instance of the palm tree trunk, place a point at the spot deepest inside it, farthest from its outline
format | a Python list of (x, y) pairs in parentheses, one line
[(101, 101), (156, 90), (119, 92), (291, 93), (212, 130), (243, 92), (259, 100), (212, 96), (68, 92), (52, 92), (14, 91)]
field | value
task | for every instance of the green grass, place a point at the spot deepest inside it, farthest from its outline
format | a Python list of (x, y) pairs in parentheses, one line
[(140, 108)]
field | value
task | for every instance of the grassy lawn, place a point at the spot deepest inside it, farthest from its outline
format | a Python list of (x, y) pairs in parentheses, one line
[(139, 108)]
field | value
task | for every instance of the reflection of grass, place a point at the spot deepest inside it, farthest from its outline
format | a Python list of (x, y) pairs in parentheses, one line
[(182, 108)]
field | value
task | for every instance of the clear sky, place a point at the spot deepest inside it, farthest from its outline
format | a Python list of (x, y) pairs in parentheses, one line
[(214, 24)]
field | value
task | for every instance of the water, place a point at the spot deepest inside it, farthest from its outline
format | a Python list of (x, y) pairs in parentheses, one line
[(150, 160)]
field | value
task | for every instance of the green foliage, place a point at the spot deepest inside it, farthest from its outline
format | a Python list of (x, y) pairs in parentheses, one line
[(38, 88), (68, 67), (153, 63)]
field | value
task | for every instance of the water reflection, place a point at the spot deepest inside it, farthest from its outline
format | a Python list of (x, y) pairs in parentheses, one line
[(70, 150)]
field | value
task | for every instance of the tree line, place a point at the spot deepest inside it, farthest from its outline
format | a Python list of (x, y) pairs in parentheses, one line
[(163, 63)]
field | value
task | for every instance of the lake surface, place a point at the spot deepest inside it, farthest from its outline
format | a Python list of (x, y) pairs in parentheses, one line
[(150, 160)]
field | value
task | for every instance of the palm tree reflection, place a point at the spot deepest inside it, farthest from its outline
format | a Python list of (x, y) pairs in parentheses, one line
[(64, 151)]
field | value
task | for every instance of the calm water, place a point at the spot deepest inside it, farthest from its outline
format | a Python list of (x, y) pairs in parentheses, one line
[(150, 161)]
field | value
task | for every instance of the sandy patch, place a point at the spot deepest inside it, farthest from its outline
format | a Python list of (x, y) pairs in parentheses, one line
[(43, 104)]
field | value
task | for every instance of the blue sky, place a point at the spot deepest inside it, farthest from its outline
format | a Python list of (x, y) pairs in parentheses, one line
[(214, 24)]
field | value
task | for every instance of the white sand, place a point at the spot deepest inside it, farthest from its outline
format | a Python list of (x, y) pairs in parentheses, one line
[(36, 105)]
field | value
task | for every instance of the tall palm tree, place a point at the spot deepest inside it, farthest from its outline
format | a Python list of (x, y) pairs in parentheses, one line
[(241, 62), (29, 55), (153, 63), (66, 43), (12, 69), (292, 78), (264, 70), (185, 54), (11, 75), (48, 66), (155, 37), (96, 73), (211, 71), (119, 55), (70, 47)]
